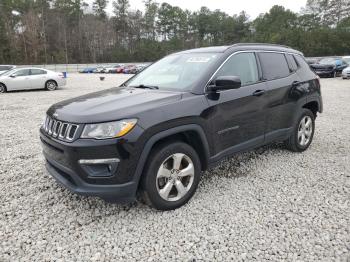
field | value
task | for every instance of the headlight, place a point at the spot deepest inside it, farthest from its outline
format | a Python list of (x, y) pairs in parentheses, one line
[(43, 121), (108, 130)]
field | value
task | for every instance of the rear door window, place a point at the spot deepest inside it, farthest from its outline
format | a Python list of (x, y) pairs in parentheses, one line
[(274, 65), (37, 72), (243, 65)]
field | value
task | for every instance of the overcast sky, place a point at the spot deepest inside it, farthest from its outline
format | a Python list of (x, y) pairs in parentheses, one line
[(252, 7)]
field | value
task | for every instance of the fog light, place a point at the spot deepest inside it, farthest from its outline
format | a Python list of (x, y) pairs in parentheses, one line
[(100, 167)]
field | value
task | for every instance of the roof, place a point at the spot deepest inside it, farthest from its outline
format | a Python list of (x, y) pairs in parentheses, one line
[(243, 46), (211, 49)]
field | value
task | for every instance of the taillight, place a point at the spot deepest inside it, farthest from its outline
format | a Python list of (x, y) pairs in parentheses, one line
[(318, 82)]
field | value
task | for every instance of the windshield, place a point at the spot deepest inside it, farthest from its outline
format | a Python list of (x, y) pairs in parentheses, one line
[(328, 61), (178, 71), (347, 60)]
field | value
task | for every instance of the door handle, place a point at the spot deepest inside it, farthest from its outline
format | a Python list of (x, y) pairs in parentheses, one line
[(259, 93)]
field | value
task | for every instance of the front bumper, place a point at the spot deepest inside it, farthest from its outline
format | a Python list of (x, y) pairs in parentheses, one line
[(325, 72), (346, 74), (103, 169), (72, 181)]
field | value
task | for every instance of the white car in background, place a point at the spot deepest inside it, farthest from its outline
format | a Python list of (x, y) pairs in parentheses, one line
[(346, 72), (346, 59), (30, 78), (5, 68)]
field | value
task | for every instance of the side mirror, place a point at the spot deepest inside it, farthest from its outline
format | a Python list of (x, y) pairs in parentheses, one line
[(225, 83), (13, 76)]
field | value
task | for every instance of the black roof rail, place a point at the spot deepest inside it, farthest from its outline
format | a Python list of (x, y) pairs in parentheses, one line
[(261, 44)]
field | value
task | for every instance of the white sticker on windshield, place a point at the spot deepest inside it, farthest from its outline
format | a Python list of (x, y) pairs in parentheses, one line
[(198, 60)]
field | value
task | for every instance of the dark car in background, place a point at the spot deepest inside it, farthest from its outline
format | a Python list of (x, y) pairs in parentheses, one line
[(88, 70), (129, 69), (329, 66), (153, 135)]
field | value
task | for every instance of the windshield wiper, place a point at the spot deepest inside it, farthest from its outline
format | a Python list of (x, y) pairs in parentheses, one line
[(145, 87)]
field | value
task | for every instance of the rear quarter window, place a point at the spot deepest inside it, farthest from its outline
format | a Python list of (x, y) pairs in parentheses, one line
[(293, 66), (301, 62), (274, 65)]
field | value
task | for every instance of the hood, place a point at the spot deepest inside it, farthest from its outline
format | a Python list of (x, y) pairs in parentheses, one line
[(322, 66), (111, 104)]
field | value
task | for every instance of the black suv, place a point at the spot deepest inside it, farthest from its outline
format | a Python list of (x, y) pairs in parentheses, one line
[(329, 66), (152, 136)]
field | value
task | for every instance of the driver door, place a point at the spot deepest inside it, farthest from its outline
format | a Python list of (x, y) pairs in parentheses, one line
[(238, 116), (19, 80)]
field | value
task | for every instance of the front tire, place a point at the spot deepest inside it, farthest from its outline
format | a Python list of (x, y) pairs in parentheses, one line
[(51, 85), (171, 176), (303, 132), (2, 89)]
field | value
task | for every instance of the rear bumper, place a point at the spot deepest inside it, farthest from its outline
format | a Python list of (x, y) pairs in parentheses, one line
[(122, 193), (62, 82)]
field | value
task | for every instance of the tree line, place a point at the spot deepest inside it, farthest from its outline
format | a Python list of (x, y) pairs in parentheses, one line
[(71, 31)]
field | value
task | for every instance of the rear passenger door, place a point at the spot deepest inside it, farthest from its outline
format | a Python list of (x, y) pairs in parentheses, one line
[(279, 72), (37, 78)]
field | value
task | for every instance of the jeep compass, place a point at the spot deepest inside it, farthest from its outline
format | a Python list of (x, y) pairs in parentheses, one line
[(152, 137)]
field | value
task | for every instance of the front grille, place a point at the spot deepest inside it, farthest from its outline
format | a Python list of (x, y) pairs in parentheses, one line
[(60, 130)]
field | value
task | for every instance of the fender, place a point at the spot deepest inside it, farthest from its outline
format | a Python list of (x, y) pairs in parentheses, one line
[(318, 100), (172, 131)]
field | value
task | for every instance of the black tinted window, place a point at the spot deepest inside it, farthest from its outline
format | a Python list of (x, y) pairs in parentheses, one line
[(37, 72), (274, 65), (242, 65), (291, 62), (22, 72)]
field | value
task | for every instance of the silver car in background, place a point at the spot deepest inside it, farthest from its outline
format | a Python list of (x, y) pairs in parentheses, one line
[(30, 78), (346, 73)]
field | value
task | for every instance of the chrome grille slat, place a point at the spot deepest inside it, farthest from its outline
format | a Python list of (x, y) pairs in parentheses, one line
[(56, 128), (60, 130), (50, 125), (63, 131)]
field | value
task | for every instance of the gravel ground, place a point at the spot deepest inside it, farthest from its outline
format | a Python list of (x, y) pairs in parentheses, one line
[(268, 204)]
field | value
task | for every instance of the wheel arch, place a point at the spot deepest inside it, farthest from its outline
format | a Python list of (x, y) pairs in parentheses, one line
[(53, 80), (313, 106), (1, 83), (191, 134)]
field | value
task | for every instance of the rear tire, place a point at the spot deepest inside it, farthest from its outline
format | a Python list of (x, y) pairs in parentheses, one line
[(2, 89), (171, 176), (303, 132), (51, 85)]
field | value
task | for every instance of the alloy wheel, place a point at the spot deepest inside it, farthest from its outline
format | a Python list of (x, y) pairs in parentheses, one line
[(51, 86), (305, 130), (175, 177)]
